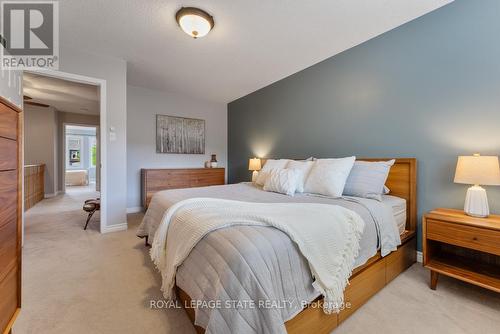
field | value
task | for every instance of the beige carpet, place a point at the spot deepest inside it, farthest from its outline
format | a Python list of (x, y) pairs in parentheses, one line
[(79, 281)]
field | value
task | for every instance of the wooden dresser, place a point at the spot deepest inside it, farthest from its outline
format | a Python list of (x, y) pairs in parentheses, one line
[(154, 180), (10, 214)]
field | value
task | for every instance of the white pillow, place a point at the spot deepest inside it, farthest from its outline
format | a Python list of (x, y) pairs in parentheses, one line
[(367, 179), (283, 181), (261, 177), (268, 166), (328, 176), (303, 167), (275, 164)]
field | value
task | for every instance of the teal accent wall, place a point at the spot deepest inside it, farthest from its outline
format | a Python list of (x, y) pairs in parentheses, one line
[(428, 89)]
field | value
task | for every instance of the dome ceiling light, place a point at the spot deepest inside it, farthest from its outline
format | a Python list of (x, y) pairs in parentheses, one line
[(194, 21)]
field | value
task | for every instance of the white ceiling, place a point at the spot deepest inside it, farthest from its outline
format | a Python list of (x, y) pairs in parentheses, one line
[(67, 96), (253, 44)]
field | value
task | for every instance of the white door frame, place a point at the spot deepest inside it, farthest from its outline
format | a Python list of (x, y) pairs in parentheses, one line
[(101, 84)]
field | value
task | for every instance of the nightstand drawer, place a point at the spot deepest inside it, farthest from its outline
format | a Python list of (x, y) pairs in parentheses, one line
[(480, 239)]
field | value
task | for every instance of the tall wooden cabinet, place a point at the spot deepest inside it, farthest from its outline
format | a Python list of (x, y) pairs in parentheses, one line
[(10, 213)]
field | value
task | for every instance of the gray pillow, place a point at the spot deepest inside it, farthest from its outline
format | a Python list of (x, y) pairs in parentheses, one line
[(367, 179)]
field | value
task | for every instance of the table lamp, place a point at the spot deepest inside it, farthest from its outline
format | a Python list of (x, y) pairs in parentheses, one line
[(477, 170), (254, 165)]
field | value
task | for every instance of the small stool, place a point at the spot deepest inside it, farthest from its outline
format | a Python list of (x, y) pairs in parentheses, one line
[(91, 206)]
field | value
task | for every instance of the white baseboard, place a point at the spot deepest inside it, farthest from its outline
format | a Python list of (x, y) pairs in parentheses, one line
[(115, 228), (420, 257), (52, 194), (135, 209)]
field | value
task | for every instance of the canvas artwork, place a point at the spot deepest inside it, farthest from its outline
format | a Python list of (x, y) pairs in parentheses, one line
[(180, 135)]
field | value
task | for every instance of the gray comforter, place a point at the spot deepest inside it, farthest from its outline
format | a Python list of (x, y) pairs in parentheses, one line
[(250, 279)]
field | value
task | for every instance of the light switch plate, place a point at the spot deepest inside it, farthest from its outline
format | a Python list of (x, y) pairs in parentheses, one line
[(112, 133)]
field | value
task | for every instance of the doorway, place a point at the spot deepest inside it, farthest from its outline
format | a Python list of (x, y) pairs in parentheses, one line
[(81, 158), (76, 110)]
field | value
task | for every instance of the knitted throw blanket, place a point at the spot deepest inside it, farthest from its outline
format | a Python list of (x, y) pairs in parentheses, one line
[(327, 236)]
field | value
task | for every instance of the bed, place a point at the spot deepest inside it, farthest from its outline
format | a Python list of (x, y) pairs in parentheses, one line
[(213, 271), (77, 177)]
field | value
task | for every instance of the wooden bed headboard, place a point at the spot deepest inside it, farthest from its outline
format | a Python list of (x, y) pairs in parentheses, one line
[(402, 182)]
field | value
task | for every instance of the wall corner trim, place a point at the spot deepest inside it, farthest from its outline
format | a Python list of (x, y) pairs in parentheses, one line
[(420, 257), (115, 228), (135, 209)]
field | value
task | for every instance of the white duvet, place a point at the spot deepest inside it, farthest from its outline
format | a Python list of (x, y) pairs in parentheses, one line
[(328, 236)]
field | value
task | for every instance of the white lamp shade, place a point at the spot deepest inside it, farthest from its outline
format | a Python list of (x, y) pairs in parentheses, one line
[(477, 169), (254, 164)]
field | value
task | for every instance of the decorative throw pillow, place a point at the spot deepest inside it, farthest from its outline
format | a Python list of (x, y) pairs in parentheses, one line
[(367, 179), (283, 181), (268, 166), (261, 177), (328, 176), (303, 167)]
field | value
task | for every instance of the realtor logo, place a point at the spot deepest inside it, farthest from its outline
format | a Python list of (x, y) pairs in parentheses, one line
[(30, 35)]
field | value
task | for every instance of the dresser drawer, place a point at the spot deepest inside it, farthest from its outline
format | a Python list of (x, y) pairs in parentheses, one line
[(8, 122), (8, 154), (8, 197), (8, 248), (362, 288), (484, 240), (8, 302), (173, 179), (207, 178), (397, 262)]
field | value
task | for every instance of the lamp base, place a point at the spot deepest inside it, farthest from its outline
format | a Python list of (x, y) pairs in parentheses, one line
[(254, 176), (476, 202)]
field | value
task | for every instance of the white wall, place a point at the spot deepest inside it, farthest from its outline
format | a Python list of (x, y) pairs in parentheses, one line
[(40, 146), (114, 71), (143, 105)]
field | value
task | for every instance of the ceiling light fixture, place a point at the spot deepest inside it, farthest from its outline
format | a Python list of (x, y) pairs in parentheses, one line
[(194, 21)]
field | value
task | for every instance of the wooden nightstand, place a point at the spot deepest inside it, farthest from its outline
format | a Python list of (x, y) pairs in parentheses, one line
[(463, 247)]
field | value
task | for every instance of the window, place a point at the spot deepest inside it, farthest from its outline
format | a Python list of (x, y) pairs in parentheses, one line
[(93, 151)]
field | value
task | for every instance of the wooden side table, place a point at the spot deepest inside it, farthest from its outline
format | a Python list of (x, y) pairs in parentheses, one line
[(463, 247)]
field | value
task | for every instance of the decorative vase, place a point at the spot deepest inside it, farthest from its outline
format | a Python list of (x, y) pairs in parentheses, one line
[(213, 161)]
